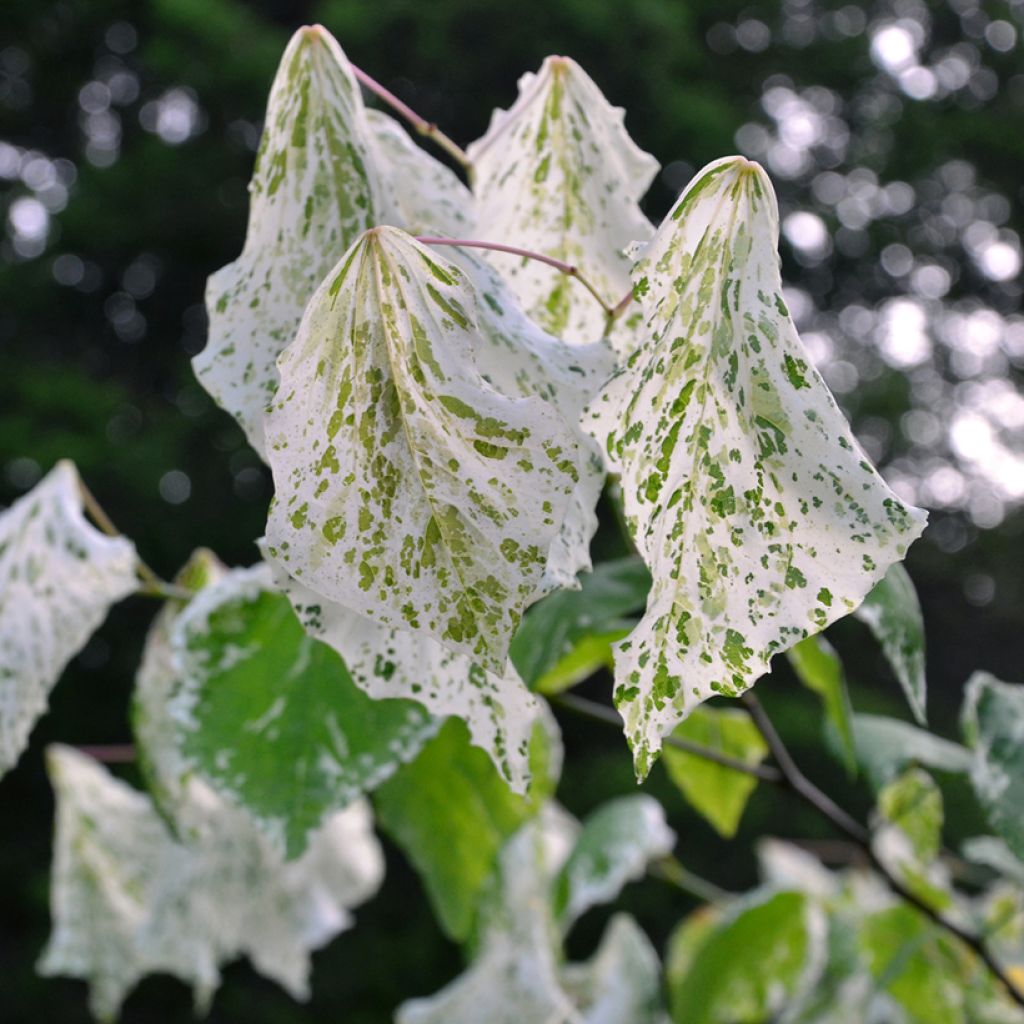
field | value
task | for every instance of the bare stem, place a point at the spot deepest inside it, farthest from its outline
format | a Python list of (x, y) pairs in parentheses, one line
[(600, 713), (670, 869), (110, 753), (424, 127), (569, 269), (797, 782)]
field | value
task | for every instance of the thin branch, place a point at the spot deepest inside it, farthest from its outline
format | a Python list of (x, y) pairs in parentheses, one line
[(620, 307), (110, 753), (600, 713), (796, 781), (670, 869), (569, 269), (424, 127)]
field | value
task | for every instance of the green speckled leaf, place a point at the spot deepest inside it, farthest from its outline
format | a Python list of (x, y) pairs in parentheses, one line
[(314, 188), (568, 636), (558, 174), (893, 613), (818, 667), (744, 489), (128, 899), (615, 846), (719, 794), (408, 489), (451, 813), (58, 578), (498, 709), (270, 717), (993, 725)]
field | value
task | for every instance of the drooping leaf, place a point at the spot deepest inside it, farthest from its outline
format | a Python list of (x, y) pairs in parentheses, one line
[(58, 579), (270, 717), (893, 613), (615, 846), (422, 195), (558, 174), (746, 493), (885, 746), (128, 899), (818, 667), (719, 794), (314, 189), (408, 490), (753, 962), (993, 725), (568, 636), (499, 710), (451, 813)]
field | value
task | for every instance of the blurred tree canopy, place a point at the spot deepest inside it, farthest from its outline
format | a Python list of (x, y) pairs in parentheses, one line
[(127, 133)]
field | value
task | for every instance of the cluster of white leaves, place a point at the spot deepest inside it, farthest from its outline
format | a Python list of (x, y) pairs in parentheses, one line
[(517, 974), (58, 578), (747, 495), (129, 899)]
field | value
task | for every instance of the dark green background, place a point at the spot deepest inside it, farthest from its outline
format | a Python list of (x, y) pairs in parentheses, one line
[(124, 405)]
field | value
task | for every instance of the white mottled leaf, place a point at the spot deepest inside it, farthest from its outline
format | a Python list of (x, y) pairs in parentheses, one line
[(747, 495), (265, 714), (422, 195), (129, 899), (498, 709), (408, 489), (893, 613), (314, 188), (993, 726), (615, 846), (58, 578), (558, 174)]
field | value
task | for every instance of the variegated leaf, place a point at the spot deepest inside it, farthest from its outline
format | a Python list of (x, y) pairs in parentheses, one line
[(745, 491), (314, 188), (498, 709), (235, 692), (421, 194), (58, 578), (409, 490), (558, 174), (129, 899)]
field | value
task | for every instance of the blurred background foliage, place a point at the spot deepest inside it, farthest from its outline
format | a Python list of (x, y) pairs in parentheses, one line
[(894, 131)]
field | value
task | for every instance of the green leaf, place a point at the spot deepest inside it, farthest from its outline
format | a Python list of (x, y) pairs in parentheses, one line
[(408, 489), (761, 519), (558, 174), (617, 843), (818, 667), (451, 813), (567, 636), (271, 718), (752, 963), (995, 854), (128, 899), (58, 579), (719, 794), (497, 708), (314, 188), (886, 745), (993, 725), (893, 613)]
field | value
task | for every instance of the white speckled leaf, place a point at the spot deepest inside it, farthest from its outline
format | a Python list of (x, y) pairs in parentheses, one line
[(314, 188), (498, 709), (58, 578), (761, 519), (266, 715), (408, 489), (993, 726), (522, 360), (615, 846), (129, 899), (558, 174), (422, 195), (893, 613)]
